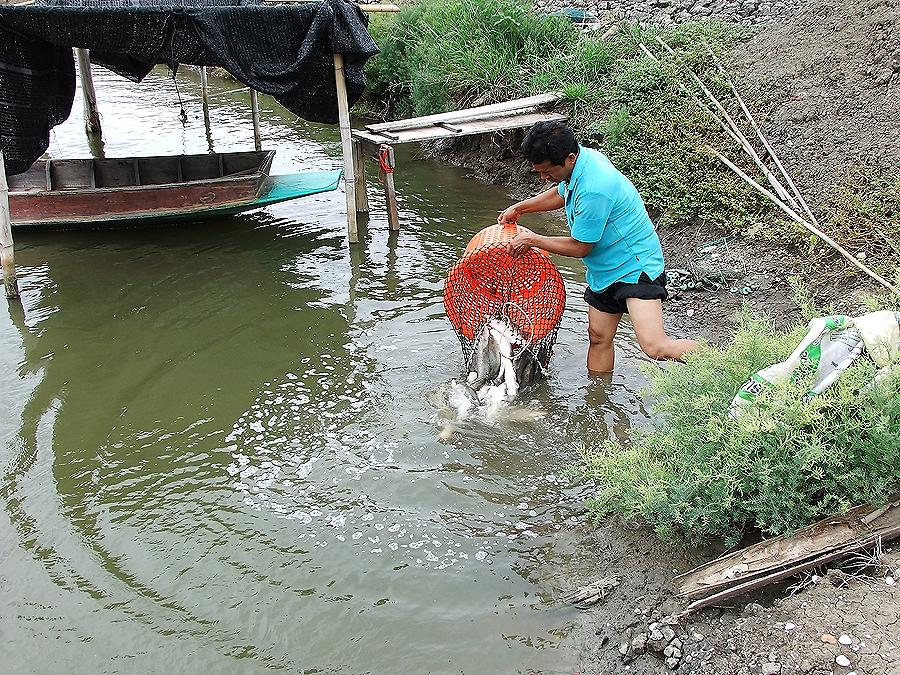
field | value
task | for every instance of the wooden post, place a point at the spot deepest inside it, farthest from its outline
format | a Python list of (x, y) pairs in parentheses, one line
[(386, 159), (254, 109), (204, 92), (91, 114), (346, 147), (362, 194), (7, 250)]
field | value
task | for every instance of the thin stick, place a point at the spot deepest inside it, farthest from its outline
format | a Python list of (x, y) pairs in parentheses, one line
[(696, 98), (762, 138), (7, 249), (797, 218), (773, 181), (346, 147), (254, 111)]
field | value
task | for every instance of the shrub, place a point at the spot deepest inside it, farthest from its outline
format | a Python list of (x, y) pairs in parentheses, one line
[(696, 473)]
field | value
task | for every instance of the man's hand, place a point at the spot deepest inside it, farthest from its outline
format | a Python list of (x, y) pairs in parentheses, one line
[(510, 215), (520, 244)]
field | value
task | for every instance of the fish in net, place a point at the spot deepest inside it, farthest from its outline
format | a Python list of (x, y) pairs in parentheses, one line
[(506, 313)]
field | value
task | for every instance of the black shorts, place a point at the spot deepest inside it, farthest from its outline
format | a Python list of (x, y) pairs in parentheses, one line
[(612, 300)]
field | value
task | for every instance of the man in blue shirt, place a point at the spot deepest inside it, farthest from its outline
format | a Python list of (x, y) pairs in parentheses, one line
[(610, 231)]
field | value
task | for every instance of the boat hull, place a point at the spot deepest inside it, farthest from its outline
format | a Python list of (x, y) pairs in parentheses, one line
[(146, 205)]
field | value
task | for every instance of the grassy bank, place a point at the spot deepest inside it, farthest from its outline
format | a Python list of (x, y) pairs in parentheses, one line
[(444, 54), (697, 473), (439, 55)]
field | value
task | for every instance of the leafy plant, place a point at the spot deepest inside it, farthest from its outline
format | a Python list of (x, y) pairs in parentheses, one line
[(697, 473)]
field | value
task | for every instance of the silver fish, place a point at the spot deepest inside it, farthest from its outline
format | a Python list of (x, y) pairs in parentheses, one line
[(485, 362)]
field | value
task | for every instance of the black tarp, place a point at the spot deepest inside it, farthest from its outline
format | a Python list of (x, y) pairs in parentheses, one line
[(282, 50)]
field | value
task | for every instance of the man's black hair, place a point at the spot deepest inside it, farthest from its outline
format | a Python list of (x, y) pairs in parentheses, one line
[(552, 141)]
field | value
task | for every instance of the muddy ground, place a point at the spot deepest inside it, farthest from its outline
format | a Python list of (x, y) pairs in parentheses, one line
[(825, 83)]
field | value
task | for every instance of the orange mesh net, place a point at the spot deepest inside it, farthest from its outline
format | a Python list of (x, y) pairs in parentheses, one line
[(487, 283)]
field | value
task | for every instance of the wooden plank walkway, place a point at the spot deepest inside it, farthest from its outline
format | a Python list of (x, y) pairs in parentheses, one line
[(515, 114)]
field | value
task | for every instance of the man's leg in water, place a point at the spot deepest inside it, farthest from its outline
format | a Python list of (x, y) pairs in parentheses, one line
[(601, 330), (647, 319)]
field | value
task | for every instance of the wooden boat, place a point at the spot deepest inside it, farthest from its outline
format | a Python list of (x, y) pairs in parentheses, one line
[(129, 191)]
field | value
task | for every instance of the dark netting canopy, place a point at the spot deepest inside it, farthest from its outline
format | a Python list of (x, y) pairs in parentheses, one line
[(282, 50)]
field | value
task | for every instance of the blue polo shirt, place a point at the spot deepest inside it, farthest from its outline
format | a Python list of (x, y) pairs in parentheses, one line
[(603, 208)]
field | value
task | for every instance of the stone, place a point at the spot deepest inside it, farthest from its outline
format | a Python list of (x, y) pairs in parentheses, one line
[(789, 626), (805, 666), (753, 608), (842, 660), (829, 639), (672, 662), (771, 668), (845, 640), (672, 650), (639, 643)]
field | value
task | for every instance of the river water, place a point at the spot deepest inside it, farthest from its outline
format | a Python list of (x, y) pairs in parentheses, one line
[(219, 445)]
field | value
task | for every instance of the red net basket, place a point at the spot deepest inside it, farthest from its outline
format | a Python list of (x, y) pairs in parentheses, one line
[(487, 282)]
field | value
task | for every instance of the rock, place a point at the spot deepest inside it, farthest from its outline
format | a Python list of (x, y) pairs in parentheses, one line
[(789, 626), (671, 650), (672, 662), (845, 640), (805, 666), (842, 660), (771, 668), (639, 643), (659, 638), (829, 639), (753, 608)]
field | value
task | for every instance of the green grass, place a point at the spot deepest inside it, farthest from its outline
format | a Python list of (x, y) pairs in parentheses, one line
[(696, 473), (445, 54)]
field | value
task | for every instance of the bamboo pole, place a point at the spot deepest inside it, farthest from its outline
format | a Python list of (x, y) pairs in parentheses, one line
[(89, 96), (748, 148), (254, 111), (762, 139), (812, 228), (705, 108), (346, 147), (7, 249)]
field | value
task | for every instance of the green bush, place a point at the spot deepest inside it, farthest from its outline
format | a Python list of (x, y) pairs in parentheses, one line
[(443, 54), (696, 473)]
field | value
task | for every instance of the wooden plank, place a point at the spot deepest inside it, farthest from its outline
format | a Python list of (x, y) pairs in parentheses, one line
[(346, 147), (771, 555), (465, 129), (7, 249), (469, 114), (381, 7), (362, 193)]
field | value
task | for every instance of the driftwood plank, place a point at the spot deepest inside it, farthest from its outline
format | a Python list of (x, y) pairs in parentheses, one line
[(777, 558), (460, 129), (469, 114)]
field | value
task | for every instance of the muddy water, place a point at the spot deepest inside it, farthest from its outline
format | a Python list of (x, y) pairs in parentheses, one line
[(218, 441)]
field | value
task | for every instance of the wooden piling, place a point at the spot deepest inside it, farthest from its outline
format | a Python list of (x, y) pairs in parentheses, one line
[(386, 159), (346, 147), (254, 110), (362, 194), (7, 250), (204, 92), (89, 96)]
